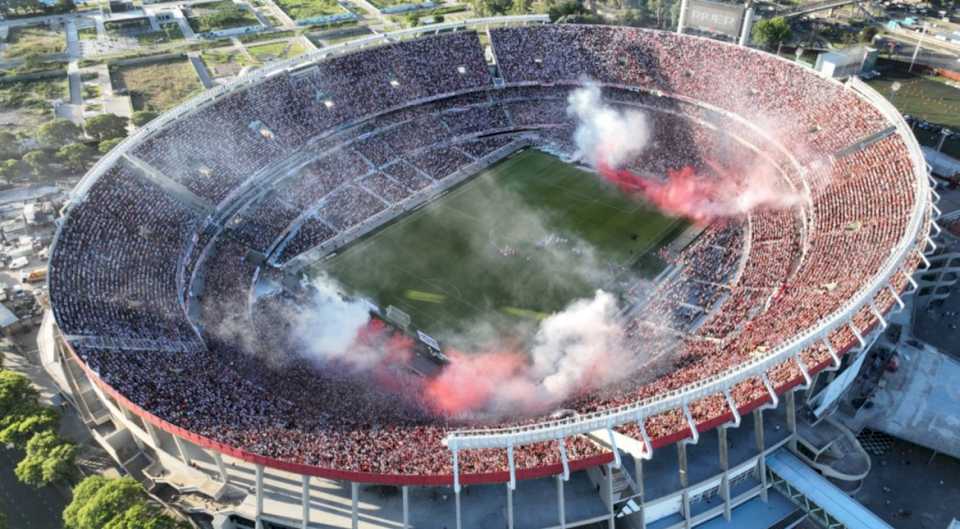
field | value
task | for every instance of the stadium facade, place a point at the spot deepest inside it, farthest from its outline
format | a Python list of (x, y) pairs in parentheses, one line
[(175, 217)]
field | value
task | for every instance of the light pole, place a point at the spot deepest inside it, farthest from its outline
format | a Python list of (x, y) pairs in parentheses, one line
[(944, 134), (916, 51)]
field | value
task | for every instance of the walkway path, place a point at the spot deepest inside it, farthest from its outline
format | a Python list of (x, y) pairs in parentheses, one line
[(73, 39), (201, 69), (184, 24), (288, 22), (76, 83)]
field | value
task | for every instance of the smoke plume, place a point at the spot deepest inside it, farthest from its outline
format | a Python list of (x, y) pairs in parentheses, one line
[(609, 139), (604, 134), (576, 350), (328, 327)]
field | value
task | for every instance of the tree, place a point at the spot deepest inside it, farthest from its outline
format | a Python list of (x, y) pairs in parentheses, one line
[(142, 117), (520, 7), (75, 156), (22, 427), (106, 127), (15, 392), (58, 132), (10, 169), (570, 7), (37, 161), (772, 32), (3, 521), (103, 503), (9, 144), (663, 14), (105, 145), (48, 459), (491, 7)]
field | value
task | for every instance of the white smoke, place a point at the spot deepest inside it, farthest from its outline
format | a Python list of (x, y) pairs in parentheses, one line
[(607, 138), (583, 341), (603, 131), (327, 327), (578, 349)]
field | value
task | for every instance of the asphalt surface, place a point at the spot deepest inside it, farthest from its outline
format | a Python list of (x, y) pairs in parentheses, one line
[(25, 506), (911, 487)]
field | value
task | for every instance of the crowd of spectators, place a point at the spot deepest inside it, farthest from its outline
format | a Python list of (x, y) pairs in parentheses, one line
[(742, 288)]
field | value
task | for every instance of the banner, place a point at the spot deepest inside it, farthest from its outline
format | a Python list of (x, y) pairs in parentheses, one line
[(714, 17)]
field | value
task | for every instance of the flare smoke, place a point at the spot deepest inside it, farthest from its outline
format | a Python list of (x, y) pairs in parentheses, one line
[(609, 139)]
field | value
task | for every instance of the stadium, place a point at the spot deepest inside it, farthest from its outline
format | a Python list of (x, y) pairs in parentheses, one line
[(185, 252)]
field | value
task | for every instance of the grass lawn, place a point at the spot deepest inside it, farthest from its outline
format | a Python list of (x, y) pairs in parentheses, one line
[(32, 94), (926, 98), (88, 33), (303, 9), (277, 50), (167, 33), (26, 105), (34, 40), (339, 35), (518, 241), (223, 63), (91, 91), (220, 15), (388, 3), (159, 86)]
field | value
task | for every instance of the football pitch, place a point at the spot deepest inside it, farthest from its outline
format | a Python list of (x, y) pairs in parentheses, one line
[(509, 246)]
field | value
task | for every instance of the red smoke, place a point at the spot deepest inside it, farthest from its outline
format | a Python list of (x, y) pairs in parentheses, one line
[(682, 193), (470, 382), (703, 198)]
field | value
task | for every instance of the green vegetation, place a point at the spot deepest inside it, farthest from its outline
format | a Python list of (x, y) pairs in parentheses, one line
[(522, 239), (89, 33), (10, 169), (75, 156), (266, 35), (158, 86), (772, 32), (303, 9), (21, 8), (34, 40), (277, 50), (219, 16), (922, 97), (143, 117), (91, 91), (167, 33), (106, 145), (31, 427), (222, 63), (9, 144), (58, 132), (32, 94), (48, 460), (387, 3), (106, 127), (38, 161), (103, 503), (928, 98)]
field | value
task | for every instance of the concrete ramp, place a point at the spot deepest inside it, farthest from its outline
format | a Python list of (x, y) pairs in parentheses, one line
[(920, 402)]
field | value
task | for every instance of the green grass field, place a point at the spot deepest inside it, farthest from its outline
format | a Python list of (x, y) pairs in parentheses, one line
[(503, 250), (927, 98)]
